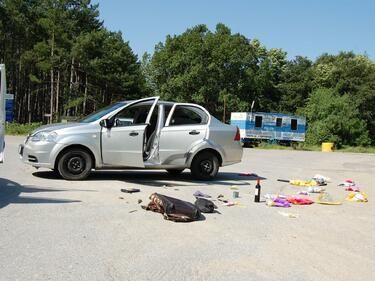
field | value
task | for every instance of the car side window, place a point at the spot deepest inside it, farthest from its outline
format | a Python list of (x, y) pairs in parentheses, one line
[(132, 115), (188, 115)]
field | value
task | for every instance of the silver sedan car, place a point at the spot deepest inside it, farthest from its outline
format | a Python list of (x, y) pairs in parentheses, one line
[(143, 134)]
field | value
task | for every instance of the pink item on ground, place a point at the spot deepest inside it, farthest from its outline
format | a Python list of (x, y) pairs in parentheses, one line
[(352, 188), (248, 174)]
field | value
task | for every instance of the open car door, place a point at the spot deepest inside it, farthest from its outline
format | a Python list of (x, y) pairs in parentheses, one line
[(185, 127), (2, 111), (123, 144)]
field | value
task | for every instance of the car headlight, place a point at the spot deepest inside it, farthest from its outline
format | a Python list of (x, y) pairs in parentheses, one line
[(44, 136)]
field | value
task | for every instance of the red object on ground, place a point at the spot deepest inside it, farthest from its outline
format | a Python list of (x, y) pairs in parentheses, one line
[(352, 188), (299, 201)]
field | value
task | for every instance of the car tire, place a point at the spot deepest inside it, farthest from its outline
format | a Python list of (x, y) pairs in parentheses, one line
[(205, 166), (175, 171), (75, 164), (55, 172)]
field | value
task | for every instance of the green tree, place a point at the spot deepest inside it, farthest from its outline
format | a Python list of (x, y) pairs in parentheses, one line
[(61, 60), (204, 67), (348, 73), (334, 118), (295, 84)]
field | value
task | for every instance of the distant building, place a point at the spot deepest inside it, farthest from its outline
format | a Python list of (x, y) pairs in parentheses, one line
[(9, 107)]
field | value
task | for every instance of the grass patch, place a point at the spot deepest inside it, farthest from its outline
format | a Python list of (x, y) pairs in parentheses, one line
[(300, 146), (357, 149), (17, 129)]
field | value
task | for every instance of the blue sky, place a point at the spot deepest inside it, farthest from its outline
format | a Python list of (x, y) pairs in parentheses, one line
[(307, 28)]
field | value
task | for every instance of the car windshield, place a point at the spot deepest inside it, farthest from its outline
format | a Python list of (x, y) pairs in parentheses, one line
[(100, 113)]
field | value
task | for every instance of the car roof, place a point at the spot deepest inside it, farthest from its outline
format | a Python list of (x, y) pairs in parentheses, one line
[(150, 101)]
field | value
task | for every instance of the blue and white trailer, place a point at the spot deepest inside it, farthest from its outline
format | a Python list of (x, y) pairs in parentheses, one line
[(269, 126)]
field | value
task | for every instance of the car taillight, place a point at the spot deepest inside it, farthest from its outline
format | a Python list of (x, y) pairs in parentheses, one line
[(238, 136)]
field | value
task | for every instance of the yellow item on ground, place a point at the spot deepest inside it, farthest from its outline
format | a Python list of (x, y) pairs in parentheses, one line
[(303, 183), (357, 197), (327, 147)]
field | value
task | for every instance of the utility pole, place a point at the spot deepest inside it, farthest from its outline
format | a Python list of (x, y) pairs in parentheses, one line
[(225, 99), (251, 110)]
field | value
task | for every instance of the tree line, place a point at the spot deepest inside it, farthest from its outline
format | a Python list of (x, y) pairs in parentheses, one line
[(62, 61)]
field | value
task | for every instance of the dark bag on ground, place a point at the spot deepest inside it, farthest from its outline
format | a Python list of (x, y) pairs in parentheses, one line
[(205, 206), (172, 208)]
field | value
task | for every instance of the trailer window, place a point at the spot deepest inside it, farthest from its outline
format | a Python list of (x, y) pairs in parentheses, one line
[(293, 124), (258, 121), (279, 122)]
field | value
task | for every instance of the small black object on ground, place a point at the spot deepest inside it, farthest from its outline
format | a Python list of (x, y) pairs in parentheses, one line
[(130, 190)]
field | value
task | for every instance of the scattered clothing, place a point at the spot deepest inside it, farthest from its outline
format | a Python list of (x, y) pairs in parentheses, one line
[(296, 200), (347, 183), (248, 175), (303, 192), (315, 189), (321, 180), (278, 202), (304, 183), (172, 208), (201, 194), (229, 203), (205, 206), (357, 197), (352, 188), (310, 182)]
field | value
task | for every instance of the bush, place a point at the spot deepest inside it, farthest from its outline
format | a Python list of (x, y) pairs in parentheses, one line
[(20, 129), (334, 118)]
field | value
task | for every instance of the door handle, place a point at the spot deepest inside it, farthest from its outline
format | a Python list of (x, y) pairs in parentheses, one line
[(133, 134), (194, 132)]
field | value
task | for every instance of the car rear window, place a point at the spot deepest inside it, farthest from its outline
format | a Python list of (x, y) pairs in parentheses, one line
[(188, 115)]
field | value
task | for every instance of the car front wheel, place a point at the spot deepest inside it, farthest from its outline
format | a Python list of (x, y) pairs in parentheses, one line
[(75, 164), (205, 166)]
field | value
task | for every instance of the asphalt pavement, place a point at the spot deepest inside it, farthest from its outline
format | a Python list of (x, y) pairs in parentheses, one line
[(52, 229)]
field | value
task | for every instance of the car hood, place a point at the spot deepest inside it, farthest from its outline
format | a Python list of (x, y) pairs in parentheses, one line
[(57, 126)]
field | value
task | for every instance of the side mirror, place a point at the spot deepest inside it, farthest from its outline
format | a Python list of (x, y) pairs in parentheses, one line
[(106, 123)]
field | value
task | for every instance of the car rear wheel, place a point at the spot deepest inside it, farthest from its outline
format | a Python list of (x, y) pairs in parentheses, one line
[(175, 171), (205, 166), (75, 164)]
